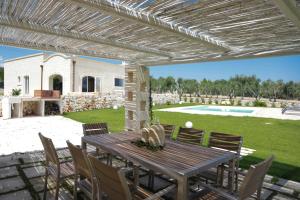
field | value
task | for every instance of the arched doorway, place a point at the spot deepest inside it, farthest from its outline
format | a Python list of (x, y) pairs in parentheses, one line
[(56, 83)]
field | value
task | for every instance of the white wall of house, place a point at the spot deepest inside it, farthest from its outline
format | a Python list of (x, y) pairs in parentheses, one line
[(15, 71), (60, 64), (105, 71)]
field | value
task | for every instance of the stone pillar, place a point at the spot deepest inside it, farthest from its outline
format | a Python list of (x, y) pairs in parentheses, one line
[(136, 97)]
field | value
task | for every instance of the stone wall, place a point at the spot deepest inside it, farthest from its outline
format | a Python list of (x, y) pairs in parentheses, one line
[(80, 102), (165, 98)]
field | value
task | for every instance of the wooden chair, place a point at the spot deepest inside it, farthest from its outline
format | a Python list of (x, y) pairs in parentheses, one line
[(83, 176), (169, 130), (59, 171), (227, 142), (190, 135), (95, 128), (112, 183), (252, 183)]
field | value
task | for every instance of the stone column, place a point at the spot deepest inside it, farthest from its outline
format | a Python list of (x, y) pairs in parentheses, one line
[(136, 96)]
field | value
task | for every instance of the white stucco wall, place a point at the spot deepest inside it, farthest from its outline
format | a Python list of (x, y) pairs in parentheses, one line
[(106, 71), (26, 66), (59, 64)]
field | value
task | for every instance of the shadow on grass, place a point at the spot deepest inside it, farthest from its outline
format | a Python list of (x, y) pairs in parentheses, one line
[(277, 169)]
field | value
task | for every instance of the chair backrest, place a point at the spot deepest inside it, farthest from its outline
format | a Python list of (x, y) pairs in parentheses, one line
[(190, 135), (79, 160), (50, 152), (111, 182), (94, 128), (254, 178), (226, 141), (169, 129)]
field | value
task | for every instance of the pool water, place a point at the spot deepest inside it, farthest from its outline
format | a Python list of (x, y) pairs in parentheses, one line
[(216, 109)]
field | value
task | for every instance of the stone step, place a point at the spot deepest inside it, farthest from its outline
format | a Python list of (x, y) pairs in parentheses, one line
[(11, 184), (19, 195), (8, 172)]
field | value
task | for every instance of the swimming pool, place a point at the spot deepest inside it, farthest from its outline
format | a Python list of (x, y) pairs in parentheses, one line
[(220, 109)]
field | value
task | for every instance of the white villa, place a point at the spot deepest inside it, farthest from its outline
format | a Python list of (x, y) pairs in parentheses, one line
[(62, 72)]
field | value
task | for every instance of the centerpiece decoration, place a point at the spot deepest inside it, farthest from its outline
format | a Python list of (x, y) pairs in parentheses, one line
[(153, 138)]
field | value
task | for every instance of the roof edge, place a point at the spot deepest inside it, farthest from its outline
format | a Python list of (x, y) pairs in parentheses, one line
[(24, 57)]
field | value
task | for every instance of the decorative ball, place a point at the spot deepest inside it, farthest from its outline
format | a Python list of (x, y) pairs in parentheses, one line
[(188, 124), (180, 102), (115, 107)]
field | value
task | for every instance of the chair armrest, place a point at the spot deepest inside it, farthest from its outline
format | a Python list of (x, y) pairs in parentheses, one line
[(161, 192), (220, 192)]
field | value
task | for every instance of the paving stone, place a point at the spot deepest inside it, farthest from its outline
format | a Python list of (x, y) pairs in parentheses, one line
[(19, 195), (38, 183), (33, 172), (8, 171), (11, 184), (289, 184), (282, 197), (8, 161), (265, 194), (33, 157), (279, 189), (63, 194)]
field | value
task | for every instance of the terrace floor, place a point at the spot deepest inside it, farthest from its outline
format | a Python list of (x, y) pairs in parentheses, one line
[(22, 178), (21, 134)]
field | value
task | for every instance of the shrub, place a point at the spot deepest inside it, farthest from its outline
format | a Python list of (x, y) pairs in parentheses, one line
[(168, 102), (216, 101), (231, 102), (247, 104), (202, 100), (197, 100), (185, 99), (258, 103), (209, 101), (191, 100), (239, 102), (16, 92), (283, 105)]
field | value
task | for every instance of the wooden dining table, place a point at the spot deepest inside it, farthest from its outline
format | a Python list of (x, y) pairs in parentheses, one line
[(178, 160)]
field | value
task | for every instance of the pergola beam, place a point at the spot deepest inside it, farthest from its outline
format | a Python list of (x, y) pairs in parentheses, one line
[(55, 32), (290, 9), (224, 58), (150, 22), (55, 49)]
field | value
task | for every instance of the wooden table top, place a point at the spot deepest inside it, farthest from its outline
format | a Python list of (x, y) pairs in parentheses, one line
[(176, 159)]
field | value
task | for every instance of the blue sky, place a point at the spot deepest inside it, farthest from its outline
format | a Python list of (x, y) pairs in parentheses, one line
[(284, 67)]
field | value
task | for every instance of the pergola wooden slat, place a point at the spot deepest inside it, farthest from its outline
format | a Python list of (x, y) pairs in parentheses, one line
[(147, 33)]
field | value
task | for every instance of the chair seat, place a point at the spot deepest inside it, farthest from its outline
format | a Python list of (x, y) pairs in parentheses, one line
[(207, 194), (140, 193), (86, 187), (66, 170)]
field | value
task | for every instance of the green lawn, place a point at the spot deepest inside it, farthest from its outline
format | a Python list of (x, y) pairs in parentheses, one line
[(266, 136)]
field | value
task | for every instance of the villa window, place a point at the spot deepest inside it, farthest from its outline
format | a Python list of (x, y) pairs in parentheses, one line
[(88, 84), (26, 84), (119, 82)]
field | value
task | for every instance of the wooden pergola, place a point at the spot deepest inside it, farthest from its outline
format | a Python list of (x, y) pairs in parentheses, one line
[(153, 32)]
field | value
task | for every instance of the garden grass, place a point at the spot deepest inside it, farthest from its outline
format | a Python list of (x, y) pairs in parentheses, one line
[(266, 136)]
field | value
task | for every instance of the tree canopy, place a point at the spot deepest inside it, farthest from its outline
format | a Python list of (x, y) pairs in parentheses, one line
[(239, 85)]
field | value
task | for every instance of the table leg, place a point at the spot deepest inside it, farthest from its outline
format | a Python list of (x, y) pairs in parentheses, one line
[(83, 145), (231, 175), (136, 171), (182, 189)]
